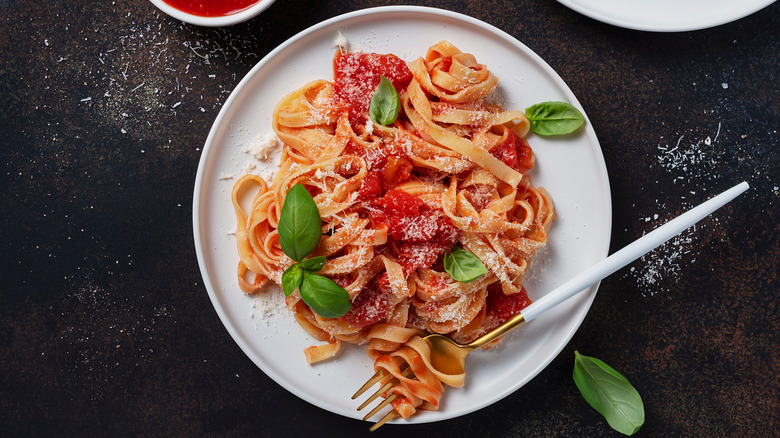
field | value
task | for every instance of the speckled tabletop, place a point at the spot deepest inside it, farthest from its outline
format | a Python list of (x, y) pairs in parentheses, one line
[(107, 328)]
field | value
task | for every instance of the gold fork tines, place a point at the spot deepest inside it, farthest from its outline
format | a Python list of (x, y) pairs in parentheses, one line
[(387, 381), (390, 415), (380, 406), (378, 376)]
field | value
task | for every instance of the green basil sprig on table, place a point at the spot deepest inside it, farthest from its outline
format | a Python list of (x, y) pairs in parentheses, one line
[(609, 393), (385, 103), (300, 230), (463, 266), (554, 118)]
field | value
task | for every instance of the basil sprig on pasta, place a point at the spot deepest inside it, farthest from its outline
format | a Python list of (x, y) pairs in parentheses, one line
[(554, 118), (385, 103), (463, 266), (300, 230), (609, 393)]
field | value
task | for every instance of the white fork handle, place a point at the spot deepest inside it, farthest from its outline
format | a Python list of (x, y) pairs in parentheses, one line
[(631, 252)]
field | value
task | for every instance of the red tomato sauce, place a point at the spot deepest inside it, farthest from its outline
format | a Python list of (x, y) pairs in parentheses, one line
[(388, 167), (515, 153), (370, 306), (423, 234), (357, 76), (501, 307), (211, 8)]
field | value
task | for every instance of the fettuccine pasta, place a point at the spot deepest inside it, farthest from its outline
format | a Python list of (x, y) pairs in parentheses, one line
[(452, 170)]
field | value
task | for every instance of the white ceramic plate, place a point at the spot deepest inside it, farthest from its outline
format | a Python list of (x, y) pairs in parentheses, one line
[(572, 169), (666, 15)]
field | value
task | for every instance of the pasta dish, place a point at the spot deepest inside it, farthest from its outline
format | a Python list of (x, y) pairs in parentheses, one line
[(449, 173)]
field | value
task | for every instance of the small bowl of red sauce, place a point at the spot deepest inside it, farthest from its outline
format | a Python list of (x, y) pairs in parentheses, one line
[(212, 13)]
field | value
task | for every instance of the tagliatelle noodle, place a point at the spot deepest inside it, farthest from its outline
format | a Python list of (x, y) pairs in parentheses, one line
[(451, 171)]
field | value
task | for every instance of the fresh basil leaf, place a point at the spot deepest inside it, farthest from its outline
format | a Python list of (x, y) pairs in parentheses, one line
[(313, 264), (385, 103), (300, 224), (323, 296), (585, 387), (615, 398), (554, 118), (291, 278), (463, 266)]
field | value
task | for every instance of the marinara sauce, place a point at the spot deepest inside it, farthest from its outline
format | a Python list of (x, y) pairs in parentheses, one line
[(357, 76), (211, 8)]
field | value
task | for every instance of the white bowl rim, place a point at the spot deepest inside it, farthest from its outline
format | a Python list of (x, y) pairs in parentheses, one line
[(225, 20)]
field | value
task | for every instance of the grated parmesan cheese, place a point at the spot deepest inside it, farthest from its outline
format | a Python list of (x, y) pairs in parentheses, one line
[(340, 42), (689, 162), (419, 228), (266, 151), (261, 146)]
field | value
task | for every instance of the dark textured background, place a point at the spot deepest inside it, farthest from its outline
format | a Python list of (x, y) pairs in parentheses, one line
[(107, 329)]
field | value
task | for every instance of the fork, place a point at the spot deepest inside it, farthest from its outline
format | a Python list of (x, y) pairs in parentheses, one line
[(449, 357)]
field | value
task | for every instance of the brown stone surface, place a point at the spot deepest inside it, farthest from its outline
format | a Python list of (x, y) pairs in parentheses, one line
[(107, 329)]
